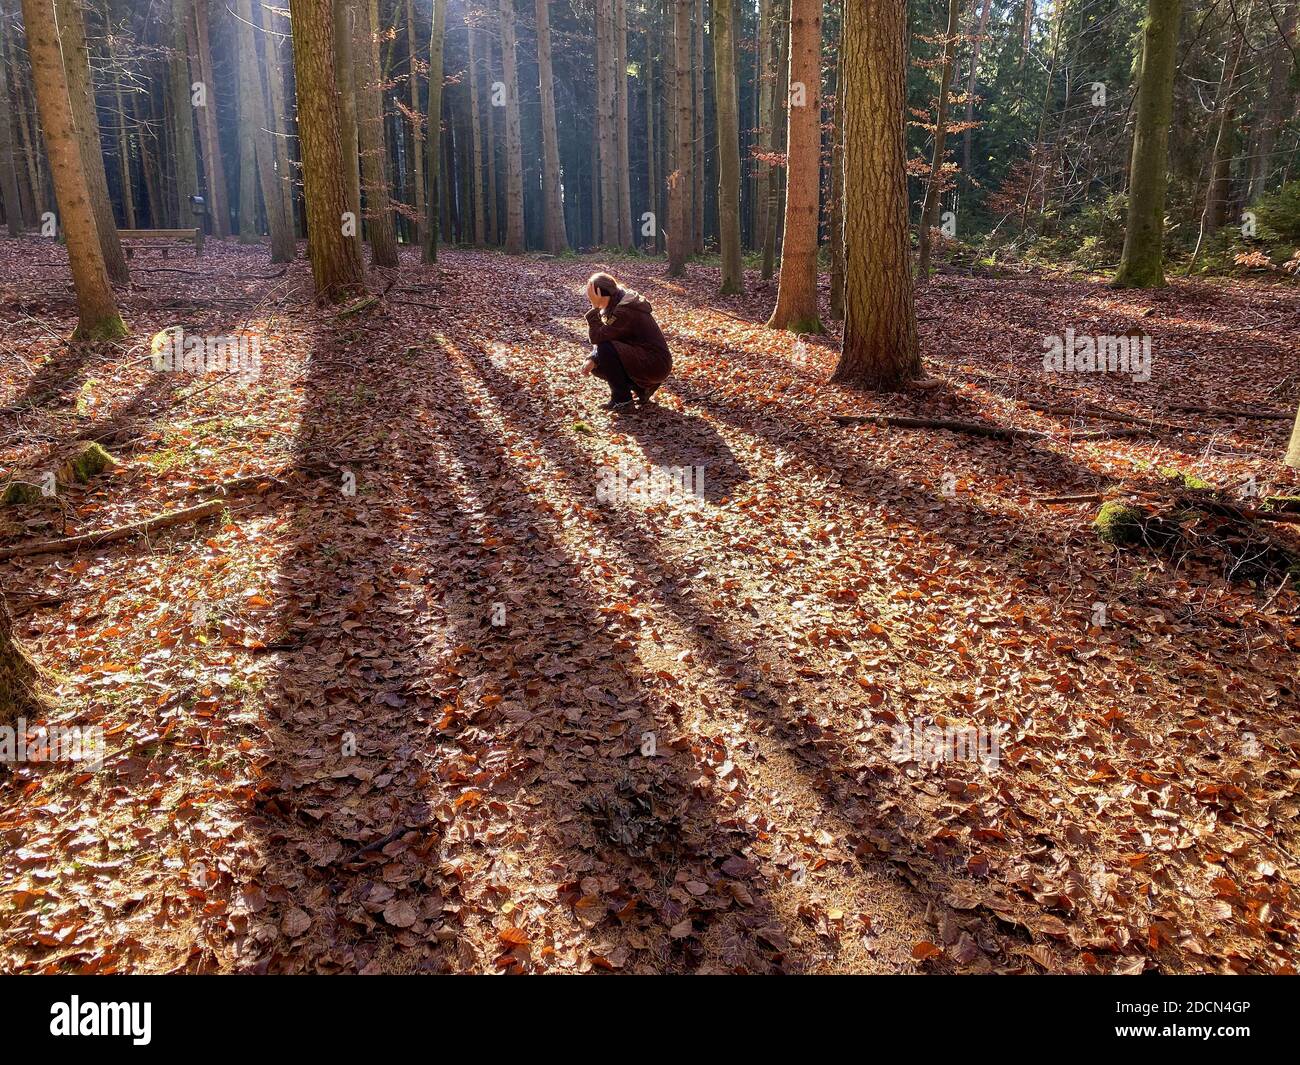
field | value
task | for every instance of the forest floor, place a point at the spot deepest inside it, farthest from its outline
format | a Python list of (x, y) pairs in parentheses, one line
[(506, 644)]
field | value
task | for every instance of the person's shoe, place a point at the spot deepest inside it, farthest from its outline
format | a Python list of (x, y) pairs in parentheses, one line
[(618, 404), (645, 395)]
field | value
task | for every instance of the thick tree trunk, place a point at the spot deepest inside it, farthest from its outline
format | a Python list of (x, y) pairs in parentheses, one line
[(370, 133), (335, 263), (514, 145), (98, 318), (728, 112), (213, 165), (182, 116), (476, 135), (250, 92), (697, 135), (552, 203), (76, 62), (836, 237), (8, 159), (679, 189), (623, 157), (1142, 262), (930, 208), (433, 129), (651, 134), (796, 297), (282, 243), (417, 130), (21, 680), (776, 174), (606, 120), (880, 343), (345, 31)]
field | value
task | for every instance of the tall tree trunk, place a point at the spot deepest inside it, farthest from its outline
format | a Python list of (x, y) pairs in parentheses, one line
[(679, 187), (417, 130), (764, 76), (182, 116), (697, 135), (345, 32), (1142, 262), (251, 90), (514, 147), (728, 113), (1293, 452), (213, 165), (606, 119), (930, 208), (880, 345), (284, 243), (622, 157), (970, 90), (370, 133), (490, 148), (1277, 106), (651, 134), (97, 314), (552, 204), (8, 160), (776, 175), (476, 135), (335, 262), (76, 61), (837, 187), (433, 129), (796, 296)]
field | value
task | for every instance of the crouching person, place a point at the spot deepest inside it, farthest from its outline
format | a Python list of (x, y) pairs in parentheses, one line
[(630, 352)]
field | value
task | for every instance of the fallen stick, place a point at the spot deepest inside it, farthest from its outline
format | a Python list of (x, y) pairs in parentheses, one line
[(123, 532), (1087, 497), (996, 432), (1087, 410), (1230, 412)]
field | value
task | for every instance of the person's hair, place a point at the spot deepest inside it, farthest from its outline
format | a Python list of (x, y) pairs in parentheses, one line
[(605, 284)]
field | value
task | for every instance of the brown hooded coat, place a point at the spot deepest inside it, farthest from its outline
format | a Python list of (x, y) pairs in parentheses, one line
[(629, 325)]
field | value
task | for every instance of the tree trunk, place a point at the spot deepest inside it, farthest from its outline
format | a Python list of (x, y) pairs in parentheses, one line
[(970, 90), (417, 132), (8, 160), (606, 117), (345, 32), (763, 75), (76, 61), (370, 134), (651, 133), (1142, 262), (1277, 106), (623, 157), (476, 135), (552, 203), (21, 680), (182, 115), (335, 262), (284, 244), (880, 344), (1293, 452), (697, 136), (250, 92), (213, 164), (837, 190), (728, 114), (490, 148), (776, 174), (433, 129), (679, 191), (98, 318), (796, 297), (514, 147), (930, 208)]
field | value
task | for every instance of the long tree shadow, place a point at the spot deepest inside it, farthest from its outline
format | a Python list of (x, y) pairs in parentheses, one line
[(411, 723)]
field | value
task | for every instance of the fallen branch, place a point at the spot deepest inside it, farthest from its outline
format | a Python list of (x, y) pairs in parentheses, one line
[(1230, 412), (1087, 410), (1087, 497), (209, 509), (995, 432)]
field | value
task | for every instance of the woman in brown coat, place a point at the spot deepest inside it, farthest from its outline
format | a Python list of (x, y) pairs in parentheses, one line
[(630, 352)]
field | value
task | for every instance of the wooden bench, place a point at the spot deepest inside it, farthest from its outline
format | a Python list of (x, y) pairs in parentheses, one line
[(161, 238)]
